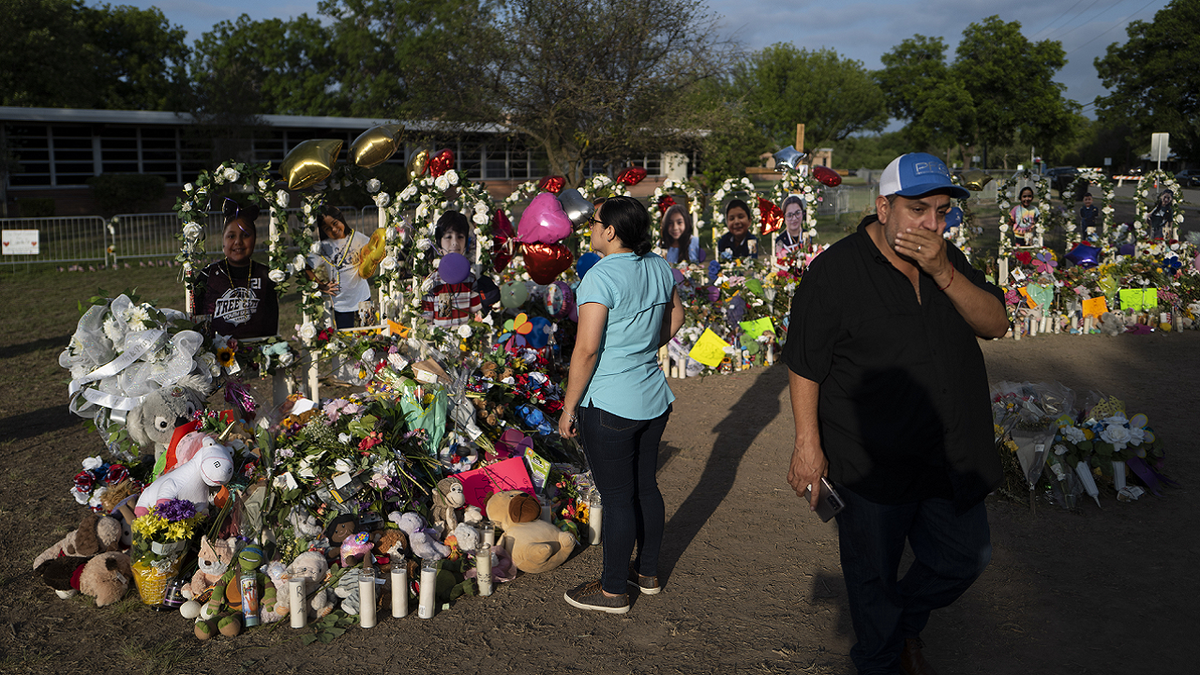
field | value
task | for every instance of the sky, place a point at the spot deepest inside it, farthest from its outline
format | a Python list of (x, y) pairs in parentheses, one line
[(858, 30)]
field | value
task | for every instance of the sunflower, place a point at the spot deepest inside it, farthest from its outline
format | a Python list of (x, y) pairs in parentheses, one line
[(225, 357)]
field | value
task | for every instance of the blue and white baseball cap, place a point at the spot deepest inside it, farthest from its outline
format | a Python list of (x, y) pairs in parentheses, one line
[(917, 174)]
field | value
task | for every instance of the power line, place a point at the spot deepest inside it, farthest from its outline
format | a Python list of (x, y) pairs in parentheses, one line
[(1119, 23), (1047, 27)]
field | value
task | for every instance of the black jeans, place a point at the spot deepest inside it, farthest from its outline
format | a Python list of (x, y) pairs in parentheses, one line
[(951, 552), (623, 454)]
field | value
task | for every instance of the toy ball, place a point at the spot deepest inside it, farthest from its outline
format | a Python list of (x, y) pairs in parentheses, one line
[(513, 294), (453, 268), (585, 262)]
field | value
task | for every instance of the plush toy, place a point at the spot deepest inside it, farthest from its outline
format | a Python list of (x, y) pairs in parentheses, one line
[(421, 540), (214, 559), (312, 567), (212, 467), (227, 594), (154, 421), (467, 536), (1112, 323), (447, 499), (304, 524), (355, 548), (337, 531), (535, 545), (106, 577), (391, 543), (95, 534), (347, 590)]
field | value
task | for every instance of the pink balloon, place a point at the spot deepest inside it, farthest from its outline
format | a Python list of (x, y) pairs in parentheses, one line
[(544, 221), (454, 268)]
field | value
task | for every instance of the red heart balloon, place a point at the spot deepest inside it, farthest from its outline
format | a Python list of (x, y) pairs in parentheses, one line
[(545, 262), (553, 184), (504, 241), (827, 176), (772, 217), (665, 203), (441, 162), (631, 176)]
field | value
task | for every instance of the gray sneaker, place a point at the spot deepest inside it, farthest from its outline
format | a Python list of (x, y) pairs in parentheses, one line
[(591, 596), (646, 585)]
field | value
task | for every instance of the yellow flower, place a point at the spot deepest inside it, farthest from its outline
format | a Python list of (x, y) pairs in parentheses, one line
[(225, 357), (149, 525)]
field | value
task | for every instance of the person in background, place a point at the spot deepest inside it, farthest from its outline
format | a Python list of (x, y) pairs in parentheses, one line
[(617, 398), (737, 243), (336, 265), (1024, 217), (1087, 219), (1162, 216), (676, 240), (235, 295)]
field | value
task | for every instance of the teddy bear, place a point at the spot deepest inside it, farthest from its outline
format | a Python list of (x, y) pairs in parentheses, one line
[(311, 567), (1112, 323), (212, 467), (213, 559), (95, 534), (421, 540), (391, 543), (535, 545), (155, 419), (106, 577)]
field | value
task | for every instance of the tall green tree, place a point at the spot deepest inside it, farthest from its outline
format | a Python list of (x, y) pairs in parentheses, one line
[(832, 96), (141, 59), (1154, 78), (922, 89)]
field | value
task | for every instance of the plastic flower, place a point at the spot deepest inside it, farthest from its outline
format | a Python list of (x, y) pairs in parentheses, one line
[(1117, 435), (225, 357)]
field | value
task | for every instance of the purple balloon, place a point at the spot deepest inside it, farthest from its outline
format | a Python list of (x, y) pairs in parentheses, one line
[(1084, 255), (454, 268), (714, 293), (1126, 249)]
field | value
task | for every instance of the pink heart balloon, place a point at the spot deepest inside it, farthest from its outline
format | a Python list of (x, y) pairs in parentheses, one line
[(543, 221)]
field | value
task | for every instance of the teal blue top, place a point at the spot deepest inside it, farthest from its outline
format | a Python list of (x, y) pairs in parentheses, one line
[(637, 292)]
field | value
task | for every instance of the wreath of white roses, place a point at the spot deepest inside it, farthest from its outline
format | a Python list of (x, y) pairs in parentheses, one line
[(695, 207), (716, 210), (525, 191), (1041, 188), (968, 221), (792, 183), (1165, 181), (601, 185), (1086, 177)]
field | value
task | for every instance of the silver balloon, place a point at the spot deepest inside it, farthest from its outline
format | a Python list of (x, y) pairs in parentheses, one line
[(578, 209), (788, 158)]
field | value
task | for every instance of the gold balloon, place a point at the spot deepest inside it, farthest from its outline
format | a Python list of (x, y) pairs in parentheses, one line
[(310, 162), (372, 252), (975, 179), (417, 164), (376, 145)]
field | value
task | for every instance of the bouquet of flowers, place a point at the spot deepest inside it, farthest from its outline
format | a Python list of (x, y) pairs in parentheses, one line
[(160, 538)]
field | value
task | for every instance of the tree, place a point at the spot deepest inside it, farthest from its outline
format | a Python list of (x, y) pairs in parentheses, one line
[(832, 96), (730, 141), (140, 58), (921, 88), (1155, 78)]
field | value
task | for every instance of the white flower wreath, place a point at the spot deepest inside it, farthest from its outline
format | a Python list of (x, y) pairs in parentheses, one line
[(793, 183), (1165, 181), (1041, 188), (601, 185), (716, 211), (695, 208), (1086, 177), (525, 191)]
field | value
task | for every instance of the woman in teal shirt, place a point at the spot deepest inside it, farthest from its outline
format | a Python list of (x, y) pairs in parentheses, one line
[(617, 397)]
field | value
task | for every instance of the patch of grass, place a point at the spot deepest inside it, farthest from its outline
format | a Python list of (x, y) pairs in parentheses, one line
[(27, 660), (170, 656)]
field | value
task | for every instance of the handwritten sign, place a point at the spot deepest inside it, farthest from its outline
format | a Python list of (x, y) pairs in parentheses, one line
[(479, 484), (1095, 306), (1139, 299), (20, 242), (757, 327), (709, 349)]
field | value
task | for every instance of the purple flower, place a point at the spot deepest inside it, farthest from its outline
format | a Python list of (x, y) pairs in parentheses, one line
[(176, 510)]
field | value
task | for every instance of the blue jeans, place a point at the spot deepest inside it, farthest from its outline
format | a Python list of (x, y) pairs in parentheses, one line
[(951, 552), (623, 454)]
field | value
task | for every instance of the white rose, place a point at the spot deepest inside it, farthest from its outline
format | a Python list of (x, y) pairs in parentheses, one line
[(451, 176), (422, 211), (480, 207), (193, 231), (345, 439), (232, 175), (282, 197), (1117, 435), (373, 185), (482, 218), (387, 264), (464, 331), (307, 331), (262, 185), (298, 262), (187, 187), (343, 466), (382, 199), (277, 276), (208, 361), (93, 463), (315, 247), (442, 182)]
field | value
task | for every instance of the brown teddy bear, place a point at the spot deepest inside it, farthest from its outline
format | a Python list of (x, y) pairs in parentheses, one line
[(535, 545), (95, 534), (104, 577)]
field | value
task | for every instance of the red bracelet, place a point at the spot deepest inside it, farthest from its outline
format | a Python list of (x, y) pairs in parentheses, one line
[(948, 282)]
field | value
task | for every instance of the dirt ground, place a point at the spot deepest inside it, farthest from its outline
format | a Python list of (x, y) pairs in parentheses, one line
[(752, 580)]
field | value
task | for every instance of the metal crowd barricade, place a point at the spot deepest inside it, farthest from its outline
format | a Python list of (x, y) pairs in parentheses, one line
[(70, 239)]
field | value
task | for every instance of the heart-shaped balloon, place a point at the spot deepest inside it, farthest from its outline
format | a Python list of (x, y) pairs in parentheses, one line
[(553, 184), (513, 294), (788, 158), (453, 268), (543, 221), (1084, 255), (376, 145), (772, 217), (826, 176), (666, 202), (540, 335), (1042, 295), (512, 443), (578, 209), (504, 241), (631, 176), (545, 262), (442, 162), (417, 164), (310, 162), (975, 179)]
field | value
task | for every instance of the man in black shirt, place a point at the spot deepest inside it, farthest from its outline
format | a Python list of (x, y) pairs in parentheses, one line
[(890, 399)]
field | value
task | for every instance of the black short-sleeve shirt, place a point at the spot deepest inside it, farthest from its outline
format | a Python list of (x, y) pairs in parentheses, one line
[(903, 408), (239, 302)]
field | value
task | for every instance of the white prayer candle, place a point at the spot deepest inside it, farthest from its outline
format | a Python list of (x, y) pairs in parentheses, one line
[(426, 603), (546, 512), (399, 589), (483, 569), (1016, 329), (297, 605), (1087, 324), (595, 521), (488, 529), (1033, 327), (366, 599)]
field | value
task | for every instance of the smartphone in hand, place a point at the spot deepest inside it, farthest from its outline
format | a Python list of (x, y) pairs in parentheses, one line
[(829, 503)]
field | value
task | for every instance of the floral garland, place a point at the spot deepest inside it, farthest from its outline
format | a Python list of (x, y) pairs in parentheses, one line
[(678, 187), (1087, 176), (255, 181), (1042, 188), (793, 182), (1164, 181), (312, 304), (969, 225), (601, 185), (527, 190), (716, 214)]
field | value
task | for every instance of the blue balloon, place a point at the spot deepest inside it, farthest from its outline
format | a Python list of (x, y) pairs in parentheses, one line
[(585, 262), (1084, 255), (538, 337), (954, 217)]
